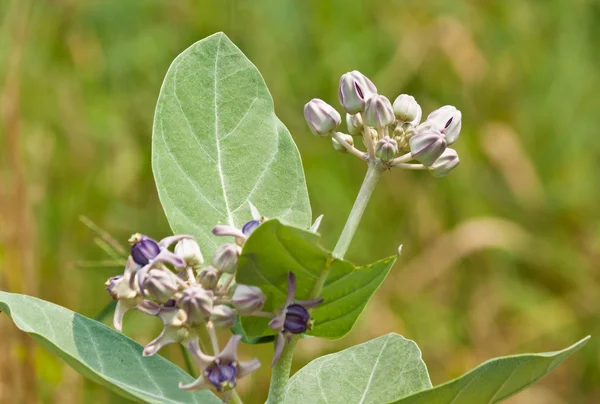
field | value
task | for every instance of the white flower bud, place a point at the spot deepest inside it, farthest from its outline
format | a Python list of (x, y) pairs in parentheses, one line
[(337, 146), (226, 258), (208, 277), (355, 89), (445, 163), (426, 146), (222, 316), (378, 112), (159, 284), (247, 299), (355, 124), (197, 303), (189, 250), (386, 149), (407, 109), (321, 117), (448, 120)]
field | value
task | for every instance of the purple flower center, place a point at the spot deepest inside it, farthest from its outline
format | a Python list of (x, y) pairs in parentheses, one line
[(249, 227), (222, 375), (296, 319), (144, 250)]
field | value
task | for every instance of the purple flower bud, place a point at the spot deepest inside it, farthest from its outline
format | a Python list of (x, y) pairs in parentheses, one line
[(159, 284), (143, 249), (337, 146), (448, 120), (355, 124), (407, 109), (445, 163), (197, 304), (208, 277), (226, 258), (321, 117), (189, 250), (222, 316), (386, 149), (378, 112), (296, 319), (250, 226), (355, 89), (247, 299), (426, 146)]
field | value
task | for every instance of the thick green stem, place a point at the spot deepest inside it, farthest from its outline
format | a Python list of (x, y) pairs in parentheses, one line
[(281, 374)]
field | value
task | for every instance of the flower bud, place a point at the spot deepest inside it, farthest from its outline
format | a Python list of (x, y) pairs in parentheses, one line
[(321, 117), (143, 249), (355, 89), (250, 226), (159, 284), (386, 149), (189, 251), (226, 258), (355, 124), (337, 146), (222, 316), (247, 299), (427, 146), (445, 163), (197, 303), (407, 109), (208, 277), (378, 112), (448, 120)]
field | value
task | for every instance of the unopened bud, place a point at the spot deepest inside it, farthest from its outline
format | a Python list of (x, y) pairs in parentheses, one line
[(247, 299), (407, 109), (197, 303), (189, 250), (378, 112), (427, 146), (445, 163), (337, 146), (222, 316), (321, 117), (208, 277), (143, 249), (160, 284), (355, 89), (448, 120), (250, 226), (226, 258), (386, 149), (355, 124)]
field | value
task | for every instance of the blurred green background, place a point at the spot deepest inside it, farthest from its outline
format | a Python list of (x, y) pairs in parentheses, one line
[(500, 257)]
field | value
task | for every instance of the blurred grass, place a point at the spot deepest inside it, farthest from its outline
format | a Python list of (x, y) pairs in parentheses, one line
[(500, 257)]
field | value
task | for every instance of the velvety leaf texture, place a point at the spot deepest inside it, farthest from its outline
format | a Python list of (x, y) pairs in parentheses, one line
[(274, 249), (100, 353), (377, 371), (494, 380), (217, 145)]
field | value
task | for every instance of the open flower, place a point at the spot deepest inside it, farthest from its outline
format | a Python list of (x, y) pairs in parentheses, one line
[(220, 371), (175, 330), (293, 318), (146, 251)]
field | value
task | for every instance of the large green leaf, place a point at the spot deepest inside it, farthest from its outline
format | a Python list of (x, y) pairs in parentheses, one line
[(494, 380), (377, 371), (100, 353), (274, 249), (217, 145)]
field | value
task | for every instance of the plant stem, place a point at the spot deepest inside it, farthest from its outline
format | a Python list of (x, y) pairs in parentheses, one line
[(366, 190), (235, 398), (188, 362), (281, 374)]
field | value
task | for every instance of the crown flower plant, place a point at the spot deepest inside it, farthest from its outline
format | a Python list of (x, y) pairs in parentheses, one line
[(246, 265)]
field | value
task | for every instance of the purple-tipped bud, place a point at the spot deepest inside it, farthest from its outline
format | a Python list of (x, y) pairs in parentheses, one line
[(226, 258), (321, 117), (197, 304), (297, 319), (250, 226), (143, 249), (355, 124), (247, 299), (159, 284), (427, 145), (378, 112), (386, 149), (448, 120), (189, 250), (208, 277), (222, 316), (445, 163), (355, 89), (407, 109), (337, 146)]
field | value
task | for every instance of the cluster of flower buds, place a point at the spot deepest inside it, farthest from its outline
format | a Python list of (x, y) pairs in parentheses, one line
[(190, 296), (393, 134)]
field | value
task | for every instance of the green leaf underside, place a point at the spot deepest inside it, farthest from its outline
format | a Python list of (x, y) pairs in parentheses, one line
[(217, 145), (376, 371), (273, 249), (494, 380), (101, 353)]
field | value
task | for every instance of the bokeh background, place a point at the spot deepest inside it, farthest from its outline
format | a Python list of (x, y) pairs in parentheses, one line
[(500, 257)]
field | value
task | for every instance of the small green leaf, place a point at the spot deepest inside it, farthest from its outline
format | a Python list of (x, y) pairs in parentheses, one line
[(273, 249), (100, 353), (217, 145), (377, 371), (494, 380)]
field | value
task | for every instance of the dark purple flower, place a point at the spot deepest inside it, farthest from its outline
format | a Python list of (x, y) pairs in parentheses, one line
[(250, 226), (143, 249)]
